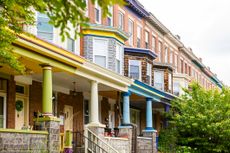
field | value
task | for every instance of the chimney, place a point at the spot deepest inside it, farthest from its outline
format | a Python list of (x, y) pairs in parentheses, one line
[(178, 37), (200, 59), (190, 49)]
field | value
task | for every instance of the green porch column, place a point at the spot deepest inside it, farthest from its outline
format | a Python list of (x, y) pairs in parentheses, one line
[(47, 91)]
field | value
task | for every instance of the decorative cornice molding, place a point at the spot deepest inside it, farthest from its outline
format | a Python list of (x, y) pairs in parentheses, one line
[(137, 7)]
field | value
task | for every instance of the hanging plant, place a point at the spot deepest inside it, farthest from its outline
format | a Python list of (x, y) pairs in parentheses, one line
[(19, 105)]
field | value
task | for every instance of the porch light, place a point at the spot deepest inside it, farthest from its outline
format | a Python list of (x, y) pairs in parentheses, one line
[(74, 92)]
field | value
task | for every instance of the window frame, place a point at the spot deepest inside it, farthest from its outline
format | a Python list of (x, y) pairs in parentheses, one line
[(139, 64), (44, 16), (162, 78), (120, 25), (131, 32), (106, 53)]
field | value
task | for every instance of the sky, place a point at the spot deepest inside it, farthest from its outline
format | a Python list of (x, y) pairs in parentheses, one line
[(203, 25)]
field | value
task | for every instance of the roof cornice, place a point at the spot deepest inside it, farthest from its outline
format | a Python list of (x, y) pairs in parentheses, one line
[(137, 7), (156, 23)]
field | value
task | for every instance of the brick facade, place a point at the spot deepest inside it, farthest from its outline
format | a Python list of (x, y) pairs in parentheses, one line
[(35, 100), (11, 103), (77, 103)]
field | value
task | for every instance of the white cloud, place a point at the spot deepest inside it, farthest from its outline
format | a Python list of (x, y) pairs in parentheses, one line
[(203, 25)]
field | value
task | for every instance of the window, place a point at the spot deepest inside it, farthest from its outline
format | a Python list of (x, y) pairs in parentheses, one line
[(153, 43), (100, 48), (130, 32), (176, 61), (186, 68), (149, 74), (20, 89), (166, 54), (159, 79), (170, 82), (119, 51), (138, 36), (189, 71), (181, 66), (97, 13), (176, 88), (135, 69), (44, 29), (159, 51), (146, 40), (121, 21), (110, 18), (70, 44), (171, 57)]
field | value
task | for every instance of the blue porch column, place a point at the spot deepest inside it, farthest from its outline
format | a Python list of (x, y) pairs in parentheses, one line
[(167, 108), (126, 108), (149, 115)]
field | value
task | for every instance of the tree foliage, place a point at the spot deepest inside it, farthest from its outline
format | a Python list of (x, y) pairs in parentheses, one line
[(14, 14), (202, 119)]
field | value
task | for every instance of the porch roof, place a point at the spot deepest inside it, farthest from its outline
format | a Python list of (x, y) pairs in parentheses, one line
[(147, 91), (35, 49)]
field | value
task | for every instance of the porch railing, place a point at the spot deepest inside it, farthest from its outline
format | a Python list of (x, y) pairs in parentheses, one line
[(95, 144)]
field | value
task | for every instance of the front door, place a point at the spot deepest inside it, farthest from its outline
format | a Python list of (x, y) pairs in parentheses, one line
[(68, 112), (20, 115), (2, 111)]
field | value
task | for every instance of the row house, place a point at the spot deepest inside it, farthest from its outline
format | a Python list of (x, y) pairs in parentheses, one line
[(121, 74)]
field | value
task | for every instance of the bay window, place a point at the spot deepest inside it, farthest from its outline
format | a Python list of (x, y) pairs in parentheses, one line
[(135, 69), (170, 82), (100, 48), (159, 79), (149, 74), (176, 88), (119, 51)]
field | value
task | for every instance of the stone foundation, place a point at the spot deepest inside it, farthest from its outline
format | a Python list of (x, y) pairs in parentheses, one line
[(53, 128), (20, 141)]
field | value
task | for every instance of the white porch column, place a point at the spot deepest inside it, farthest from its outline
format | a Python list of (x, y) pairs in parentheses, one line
[(94, 105)]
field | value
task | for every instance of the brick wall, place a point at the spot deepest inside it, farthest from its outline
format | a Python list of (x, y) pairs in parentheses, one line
[(105, 107), (11, 103), (35, 100), (77, 103)]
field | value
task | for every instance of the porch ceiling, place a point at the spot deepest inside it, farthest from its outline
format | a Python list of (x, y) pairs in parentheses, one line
[(32, 67), (64, 80)]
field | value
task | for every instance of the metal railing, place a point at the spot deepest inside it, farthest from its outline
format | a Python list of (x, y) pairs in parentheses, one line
[(95, 144)]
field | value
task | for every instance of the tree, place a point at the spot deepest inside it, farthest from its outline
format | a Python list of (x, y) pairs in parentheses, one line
[(202, 119), (16, 13)]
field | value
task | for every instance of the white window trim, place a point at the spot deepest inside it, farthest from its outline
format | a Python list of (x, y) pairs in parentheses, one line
[(121, 56), (122, 26), (162, 78), (150, 82), (131, 44), (139, 63), (99, 8), (106, 55), (37, 29)]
